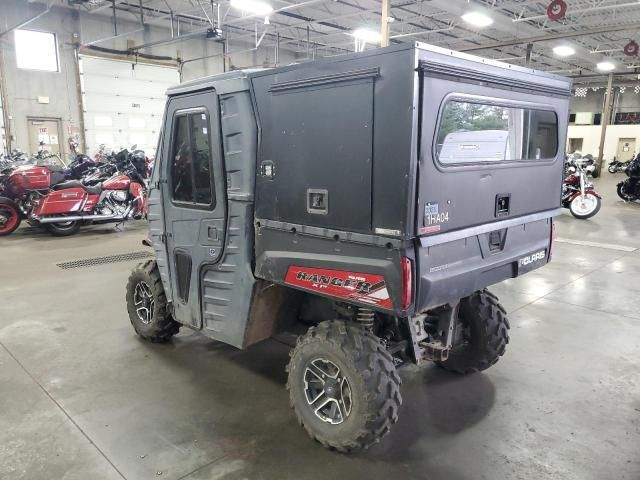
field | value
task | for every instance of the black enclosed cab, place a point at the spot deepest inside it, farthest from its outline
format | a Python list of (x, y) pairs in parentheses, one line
[(371, 198)]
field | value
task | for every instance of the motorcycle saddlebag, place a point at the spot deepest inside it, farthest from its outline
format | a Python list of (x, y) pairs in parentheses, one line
[(69, 200)]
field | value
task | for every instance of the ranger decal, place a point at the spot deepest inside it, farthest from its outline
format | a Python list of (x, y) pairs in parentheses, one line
[(359, 287)]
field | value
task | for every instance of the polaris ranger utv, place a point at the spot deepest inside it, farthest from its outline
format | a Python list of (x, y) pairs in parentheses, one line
[(343, 195)]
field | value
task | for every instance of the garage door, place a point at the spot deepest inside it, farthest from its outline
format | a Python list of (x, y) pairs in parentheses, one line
[(123, 103)]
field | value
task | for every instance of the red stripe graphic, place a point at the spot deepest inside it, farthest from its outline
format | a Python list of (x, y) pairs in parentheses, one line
[(361, 287)]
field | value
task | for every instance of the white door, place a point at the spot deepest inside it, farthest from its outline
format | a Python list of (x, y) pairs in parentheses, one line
[(123, 102)]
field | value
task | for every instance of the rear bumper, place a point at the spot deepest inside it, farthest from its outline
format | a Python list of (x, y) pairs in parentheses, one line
[(456, 264)]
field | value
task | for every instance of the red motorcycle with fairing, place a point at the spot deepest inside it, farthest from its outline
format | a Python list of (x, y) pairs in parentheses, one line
[(73, 204), (22, 186)]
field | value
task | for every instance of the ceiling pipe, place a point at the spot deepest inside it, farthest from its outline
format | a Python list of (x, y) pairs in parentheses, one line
[(167, 41), (552, 36), (581, 11)]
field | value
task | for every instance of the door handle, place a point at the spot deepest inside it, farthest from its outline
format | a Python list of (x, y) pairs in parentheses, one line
[(212, 233)]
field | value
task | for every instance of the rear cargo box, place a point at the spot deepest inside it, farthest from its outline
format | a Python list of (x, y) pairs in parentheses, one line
[(379, 143), (448, 160)]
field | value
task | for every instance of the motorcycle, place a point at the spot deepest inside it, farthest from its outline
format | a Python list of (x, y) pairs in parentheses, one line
[(73, 204), (629, 189), (22, 186), (617, 166), (578, 194)]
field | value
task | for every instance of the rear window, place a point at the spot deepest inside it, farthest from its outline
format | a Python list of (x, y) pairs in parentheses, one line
[(474, 132)]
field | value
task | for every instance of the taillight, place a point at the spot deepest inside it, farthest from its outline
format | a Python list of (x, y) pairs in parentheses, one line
[(407, 283), (552, 241)]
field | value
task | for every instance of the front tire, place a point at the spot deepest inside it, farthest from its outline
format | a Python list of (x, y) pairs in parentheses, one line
[(622, 192), (343, 386), (63, 229), (481, 334), (586, 207), (147, 304), (10, 218)]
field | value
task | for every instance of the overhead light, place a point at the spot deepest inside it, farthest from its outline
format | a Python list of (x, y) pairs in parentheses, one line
[(606, 66), (564, 50), (391, 19), (477, 19), (252, 6), (366, 35)]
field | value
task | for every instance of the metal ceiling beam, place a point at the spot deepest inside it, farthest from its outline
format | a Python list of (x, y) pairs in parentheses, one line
[(580, 11), (28, 21), (553, 36)]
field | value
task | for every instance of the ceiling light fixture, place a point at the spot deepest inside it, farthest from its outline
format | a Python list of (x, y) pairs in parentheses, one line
[(255, 7), (477, 19), (605, 66), (564, 50), (366, 35)]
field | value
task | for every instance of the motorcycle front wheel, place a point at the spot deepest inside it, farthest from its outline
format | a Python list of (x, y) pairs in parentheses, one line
[(586, 206), (612, 169), (622, 192)]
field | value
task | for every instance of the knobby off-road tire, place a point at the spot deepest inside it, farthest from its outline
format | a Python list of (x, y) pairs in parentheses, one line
[(371, 378), (486, 326), (147, 304)]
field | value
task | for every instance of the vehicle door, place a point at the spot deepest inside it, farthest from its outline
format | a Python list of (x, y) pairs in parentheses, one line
[(194, 197)]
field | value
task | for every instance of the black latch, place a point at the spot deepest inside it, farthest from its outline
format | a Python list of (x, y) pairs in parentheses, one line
[(317, 201), (268, 169), (503, 203)]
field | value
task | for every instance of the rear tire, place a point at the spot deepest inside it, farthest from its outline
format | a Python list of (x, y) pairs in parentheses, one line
[(485, 321), (10, 218), (65, 229), (362, 386), (147, 304)]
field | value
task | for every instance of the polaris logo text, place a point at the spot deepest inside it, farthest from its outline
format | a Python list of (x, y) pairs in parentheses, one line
[(359, 285), (534, 257)]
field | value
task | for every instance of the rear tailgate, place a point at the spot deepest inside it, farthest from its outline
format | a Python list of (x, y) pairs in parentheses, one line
[(491, 155)]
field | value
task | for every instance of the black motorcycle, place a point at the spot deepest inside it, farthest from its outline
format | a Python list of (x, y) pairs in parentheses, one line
[(629, 189), (617, 166)]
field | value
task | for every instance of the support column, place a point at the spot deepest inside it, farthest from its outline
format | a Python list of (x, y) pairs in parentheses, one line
[(384, 23), (605, 118), (8, 130)]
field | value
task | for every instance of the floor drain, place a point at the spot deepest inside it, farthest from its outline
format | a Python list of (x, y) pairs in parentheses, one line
[(90, 262)]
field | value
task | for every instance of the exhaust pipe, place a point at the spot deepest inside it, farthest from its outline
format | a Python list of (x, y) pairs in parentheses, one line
[(91, 218), (77, 218)]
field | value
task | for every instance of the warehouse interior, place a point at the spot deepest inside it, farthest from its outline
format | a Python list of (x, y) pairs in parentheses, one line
[(90, 83)]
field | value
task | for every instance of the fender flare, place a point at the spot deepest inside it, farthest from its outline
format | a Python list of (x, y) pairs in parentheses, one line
[(587, 190)]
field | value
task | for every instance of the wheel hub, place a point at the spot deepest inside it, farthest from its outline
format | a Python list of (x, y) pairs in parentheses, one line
[(144, 302), (327, 391), (585, 204)]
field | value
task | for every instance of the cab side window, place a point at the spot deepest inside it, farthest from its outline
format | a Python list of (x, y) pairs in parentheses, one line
[(191, 175)]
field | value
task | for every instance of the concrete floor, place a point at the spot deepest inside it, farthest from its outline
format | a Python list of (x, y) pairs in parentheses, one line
[(81, 397)]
